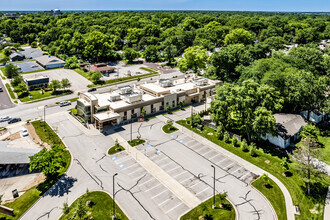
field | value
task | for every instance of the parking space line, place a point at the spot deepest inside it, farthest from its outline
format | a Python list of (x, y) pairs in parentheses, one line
[(225, 168), (134, 164), (173, 208), (213, 156), (159, 194), (123, 159), (163, 202), (206, 152), (153, 187), (173, 169), (180, 174), (185, 180), (138, 169), (221, 161), (245, 175), (195, 184), (147, 182), (166, 165), (236, 170), (162, 159), (202, 191)]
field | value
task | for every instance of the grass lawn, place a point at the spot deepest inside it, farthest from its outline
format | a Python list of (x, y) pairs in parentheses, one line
[(274, 196), (115, 149), (71, 100), (100, 207), (136, 142), (21, 204), (11, 93), (325, 150), (169, 128), (294, 183), (36, 95), (81, 72), (205, 208)]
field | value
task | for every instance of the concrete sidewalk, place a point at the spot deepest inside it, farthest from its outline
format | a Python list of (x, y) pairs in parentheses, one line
[(247, 165), (175, 187)]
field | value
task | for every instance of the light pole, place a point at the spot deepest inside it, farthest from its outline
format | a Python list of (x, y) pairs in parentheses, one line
[(113, 193), (213, 206), (45, 117), (191, 117)]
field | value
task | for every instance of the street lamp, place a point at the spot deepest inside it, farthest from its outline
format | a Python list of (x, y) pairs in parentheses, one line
[(45, 117), (113, 193), (213, 206)]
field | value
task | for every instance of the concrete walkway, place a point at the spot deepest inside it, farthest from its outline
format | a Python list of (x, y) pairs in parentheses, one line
[(247, 165), (175, 187), (327, 206)]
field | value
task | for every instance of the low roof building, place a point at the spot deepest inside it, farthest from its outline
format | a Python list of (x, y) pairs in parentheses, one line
[(13, 155), (16, 56), (35, 82), (100, 67), (50, 62)]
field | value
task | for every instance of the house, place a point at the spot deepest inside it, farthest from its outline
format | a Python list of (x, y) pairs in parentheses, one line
[(126, 102), (100, 67), (37, 82), (288, 127), (50, 62), (16, 57), (315, 116)]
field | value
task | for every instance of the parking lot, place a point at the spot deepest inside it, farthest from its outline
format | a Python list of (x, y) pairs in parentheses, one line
[(78, 82), (31, 53), (158, 201), (28, 66)]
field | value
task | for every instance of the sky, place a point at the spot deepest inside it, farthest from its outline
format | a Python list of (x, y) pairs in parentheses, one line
[(221, 5)]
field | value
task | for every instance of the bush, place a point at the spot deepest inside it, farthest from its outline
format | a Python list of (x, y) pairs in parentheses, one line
[(244, 146), (226, 137), (34, 44), (253, 149), (74, 111), (234, 141)]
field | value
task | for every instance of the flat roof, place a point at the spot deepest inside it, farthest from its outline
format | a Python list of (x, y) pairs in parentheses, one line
[(84, 102), (90, 96), (155, 87), (13, 155), (106, 116)]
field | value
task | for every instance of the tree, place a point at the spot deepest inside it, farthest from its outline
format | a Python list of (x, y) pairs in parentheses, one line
[(151, 53), (65, 83), (95, 77), (194, 59), (7, 52), (234, 141), (97, 45), (265, 179), (285, 164), (222, 198), (65, 209), (244, 146), (253, 150), (168, 108), (310, 131), (34, 44), (307, 166), (143, 113), (276, 43), (48, 162), (169, 50), (169, 124), (226, 137), (17, 80), (264, 122), (180, 103), (72, 62), (17, 45), (220, 131), (130, 54), (55, 84), (239, 36), (22, 88), (4, 60), (81, 209), (11, 71)]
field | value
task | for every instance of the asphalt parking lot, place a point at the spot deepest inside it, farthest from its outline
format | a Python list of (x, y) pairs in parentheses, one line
[(28, 66), (32, 53)]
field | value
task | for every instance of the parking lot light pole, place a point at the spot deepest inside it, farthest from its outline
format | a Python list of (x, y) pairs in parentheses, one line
[(213, 206), (113, 193)]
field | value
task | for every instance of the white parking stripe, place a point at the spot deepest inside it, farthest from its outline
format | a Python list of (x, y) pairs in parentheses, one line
[(229, 165), (221, 161), (166, 165), (236, 170), (153, 187), (195, 184), (185, 180), (118, 161), (173, 169), (138, 169), (162, 159), (134, 164), (163, 202), (180, 174), (245, 175), (159, 194), (147, 182), (213, 156), (173, 208), (202, 191)]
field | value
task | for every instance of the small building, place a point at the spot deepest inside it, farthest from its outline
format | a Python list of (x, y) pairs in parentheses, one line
[(100, 67), (16, 57), (315, 116), (288, 127), (37, 82), (50, 62)]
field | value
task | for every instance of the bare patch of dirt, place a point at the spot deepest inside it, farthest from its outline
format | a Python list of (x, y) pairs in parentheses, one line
[(35, 137), (13, 136), (39, 179)]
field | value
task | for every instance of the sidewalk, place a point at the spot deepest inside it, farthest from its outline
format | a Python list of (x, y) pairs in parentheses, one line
[(180, 191), (247, 165), (327, 205)]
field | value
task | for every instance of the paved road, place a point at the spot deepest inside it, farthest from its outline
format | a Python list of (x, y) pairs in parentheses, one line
[(5, 101)]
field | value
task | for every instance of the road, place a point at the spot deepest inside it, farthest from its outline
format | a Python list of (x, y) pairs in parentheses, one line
[(5, 101)]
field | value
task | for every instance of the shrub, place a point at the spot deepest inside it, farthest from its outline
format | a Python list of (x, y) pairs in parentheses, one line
[(34, 45), (234, 141), (226, 137), (253, 151), (244, 146)]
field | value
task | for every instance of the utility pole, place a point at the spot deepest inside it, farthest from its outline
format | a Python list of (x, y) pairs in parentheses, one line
[(113, 193), (213, 206), (131, 130), (191, 117), (45, 117)]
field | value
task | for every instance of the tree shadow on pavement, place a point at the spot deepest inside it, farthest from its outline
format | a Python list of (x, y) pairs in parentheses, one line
[(61, 187)]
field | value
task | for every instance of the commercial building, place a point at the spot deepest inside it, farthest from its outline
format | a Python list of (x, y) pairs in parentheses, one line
[(50, 62), (37, 82), (100, 67), (128, 101)]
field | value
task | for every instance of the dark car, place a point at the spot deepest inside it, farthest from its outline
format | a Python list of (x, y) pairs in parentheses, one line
[(13, 120), (91, 90), (1, 90)]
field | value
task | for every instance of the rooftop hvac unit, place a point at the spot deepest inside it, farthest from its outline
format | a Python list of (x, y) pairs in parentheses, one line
[(166, 82), (114, 97), (125, 90)]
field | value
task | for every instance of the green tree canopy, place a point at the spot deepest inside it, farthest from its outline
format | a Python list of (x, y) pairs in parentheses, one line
[(238, 36), (194, 59)]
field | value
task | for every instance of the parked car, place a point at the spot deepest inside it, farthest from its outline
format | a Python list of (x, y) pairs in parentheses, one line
[(91, 90), (6, 118), (1, 90), (34, 66), (13, 120), (65, 103), (24, 133)]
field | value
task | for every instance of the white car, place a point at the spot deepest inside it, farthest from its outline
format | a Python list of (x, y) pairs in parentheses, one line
[(24, 132), (6, 118), (65, 103)]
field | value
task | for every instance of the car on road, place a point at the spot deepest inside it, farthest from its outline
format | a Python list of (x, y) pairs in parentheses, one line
[(1, 90), (24, 133), (91, 90), (13, 120), (65, 103), (6, 118)]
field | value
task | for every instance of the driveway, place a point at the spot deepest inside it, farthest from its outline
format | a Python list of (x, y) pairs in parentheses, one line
[(5, 101)]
